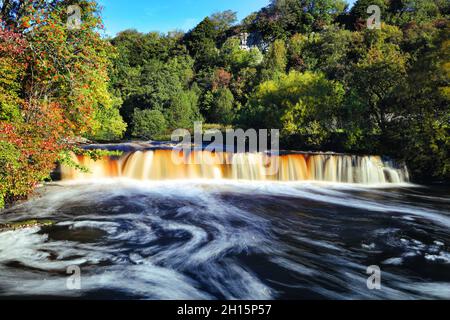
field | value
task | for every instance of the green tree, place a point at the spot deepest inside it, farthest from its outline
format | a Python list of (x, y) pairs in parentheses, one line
[(422, 131), (112, 125), (400, 12), (296, 103), (222, 109), (283, 18), (223, 20), (201, 43), (359, 15), (148, 124), (164, 86), (378, 75), (183, 110), (235, 58), (275, 60)]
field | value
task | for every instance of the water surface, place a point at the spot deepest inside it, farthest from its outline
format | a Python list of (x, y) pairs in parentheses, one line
[(229, 240)]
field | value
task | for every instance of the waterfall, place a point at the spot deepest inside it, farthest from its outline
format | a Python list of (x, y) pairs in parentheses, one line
[(158, 165)]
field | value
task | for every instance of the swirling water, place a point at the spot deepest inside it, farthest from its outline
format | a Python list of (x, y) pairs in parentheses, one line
[(229, 240)]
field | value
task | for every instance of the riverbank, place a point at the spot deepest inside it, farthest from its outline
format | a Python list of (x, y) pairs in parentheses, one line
[(13, 226)]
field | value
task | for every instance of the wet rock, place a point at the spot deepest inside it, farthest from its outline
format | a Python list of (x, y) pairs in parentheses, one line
[(24, 225)]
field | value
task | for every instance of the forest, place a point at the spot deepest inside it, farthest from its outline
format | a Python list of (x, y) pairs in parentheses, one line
[(310, 68)]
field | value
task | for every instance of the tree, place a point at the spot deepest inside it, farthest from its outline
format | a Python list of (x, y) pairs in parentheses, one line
[(243, 84), (283, 18), (378, 75), (148, 124), (12, 71), (333, 52), (235, 58), (56, 89), (276, 60), (296, 103), (165, 86), (112, 125), (183, 110), (221, 79), (222, 109), (423, 128), (359, 15), (223, 20), (400, 12), (201, 43)]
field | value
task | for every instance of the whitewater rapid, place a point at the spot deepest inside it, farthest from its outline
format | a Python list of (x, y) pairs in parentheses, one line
[(233, 240)]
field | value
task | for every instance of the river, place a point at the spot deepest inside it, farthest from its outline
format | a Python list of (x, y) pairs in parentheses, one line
[(228, 239)]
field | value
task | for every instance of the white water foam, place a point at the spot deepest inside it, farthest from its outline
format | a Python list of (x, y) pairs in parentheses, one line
[(204, 234)]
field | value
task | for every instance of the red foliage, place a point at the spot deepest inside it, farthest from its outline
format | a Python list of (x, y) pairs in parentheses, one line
[(38, 135), (52, 82), (222, 79), (11, 43)]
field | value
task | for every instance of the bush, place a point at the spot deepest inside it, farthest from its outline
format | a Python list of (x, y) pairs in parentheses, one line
[(148, 124)]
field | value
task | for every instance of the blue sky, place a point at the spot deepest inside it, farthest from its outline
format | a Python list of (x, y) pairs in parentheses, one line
[(168, 15)]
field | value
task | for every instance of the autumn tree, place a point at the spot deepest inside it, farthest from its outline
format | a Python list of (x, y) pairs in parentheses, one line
[(58, 89)]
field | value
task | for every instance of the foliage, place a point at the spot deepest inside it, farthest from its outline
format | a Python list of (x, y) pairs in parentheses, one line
[(222, 107), (148, 124), (235, 58), (297, 103), (400, 12), (378, 74), (162, 81), (276, 59), (223, 20), (283, 18), (183, 110), (201, 43), (53, 87), (112, 126)]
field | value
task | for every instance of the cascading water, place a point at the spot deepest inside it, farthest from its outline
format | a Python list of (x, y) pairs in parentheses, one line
[(158, 165), (183, 236)]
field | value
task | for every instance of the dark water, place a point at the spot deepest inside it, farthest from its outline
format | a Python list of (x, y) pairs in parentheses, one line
[(230, 241)]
